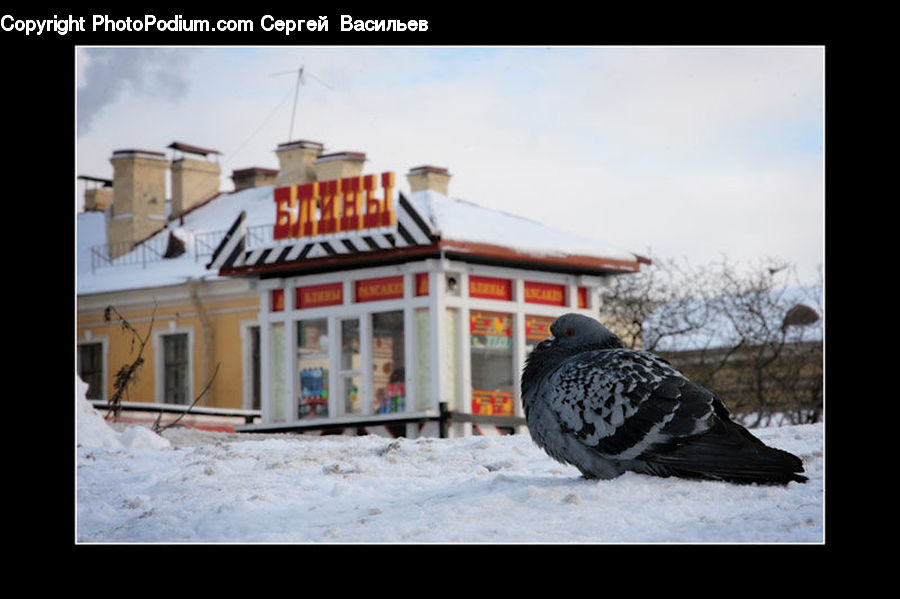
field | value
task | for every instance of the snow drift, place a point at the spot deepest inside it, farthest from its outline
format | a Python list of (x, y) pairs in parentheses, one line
[(190, 486)]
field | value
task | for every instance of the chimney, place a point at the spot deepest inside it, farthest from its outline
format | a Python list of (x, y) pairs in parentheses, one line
[(339, 165), (97, 198), (434, 178), (296, 160), (139, 198), (193, 180), (255, 176)]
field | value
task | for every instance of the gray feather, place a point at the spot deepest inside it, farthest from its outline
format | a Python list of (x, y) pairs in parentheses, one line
[(606, 410)]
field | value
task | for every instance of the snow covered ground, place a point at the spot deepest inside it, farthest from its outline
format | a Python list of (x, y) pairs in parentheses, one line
[(190, 486)]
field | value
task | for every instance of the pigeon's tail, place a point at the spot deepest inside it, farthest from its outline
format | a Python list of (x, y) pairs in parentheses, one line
[(727, 452)]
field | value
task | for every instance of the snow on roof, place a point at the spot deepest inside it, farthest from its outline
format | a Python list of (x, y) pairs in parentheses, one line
[(460, 220), (454, 219), (129, 272)]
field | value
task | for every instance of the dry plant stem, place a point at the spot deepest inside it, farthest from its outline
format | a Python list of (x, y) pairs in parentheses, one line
[(126, 374), (157, 428)]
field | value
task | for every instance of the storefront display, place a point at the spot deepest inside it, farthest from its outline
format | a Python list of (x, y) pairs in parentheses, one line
[(386, 362), (312, 364), (490, 335), (388, 378), (350, 366)]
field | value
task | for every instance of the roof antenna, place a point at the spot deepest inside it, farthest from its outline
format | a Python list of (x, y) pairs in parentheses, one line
[(300, 73)]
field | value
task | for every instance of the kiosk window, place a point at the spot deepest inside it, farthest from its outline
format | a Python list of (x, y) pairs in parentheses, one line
[(492, 363), (422, 358), (312, 364), (452, 328), (350, 366), (388, 362), (277, 374)]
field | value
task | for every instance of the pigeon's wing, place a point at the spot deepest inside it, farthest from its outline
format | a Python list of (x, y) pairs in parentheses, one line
[(624, 402), (633, 408)]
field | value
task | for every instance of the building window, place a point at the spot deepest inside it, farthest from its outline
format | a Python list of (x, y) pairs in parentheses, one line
[(452, 331), (175, 369), (277, 373), (254, 370), (312, 364), (491, 350), (90, 368), (388, 362), (351, 362), (422, 358)]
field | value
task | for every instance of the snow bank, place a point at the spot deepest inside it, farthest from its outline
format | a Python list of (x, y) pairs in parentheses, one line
[(193, 486), (93, 431)]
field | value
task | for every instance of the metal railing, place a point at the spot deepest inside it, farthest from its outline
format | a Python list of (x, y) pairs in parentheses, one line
[(445, 417), (248, 416), (126, 254), (198, 245)]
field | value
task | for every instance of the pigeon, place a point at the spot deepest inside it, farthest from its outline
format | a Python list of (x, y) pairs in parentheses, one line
[(607, 410)]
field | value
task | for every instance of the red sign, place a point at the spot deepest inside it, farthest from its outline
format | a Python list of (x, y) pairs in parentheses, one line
[(496, 403), (347, 204), (277, 300), (491, 324), (314, 296), (371, 290), (582, 297), (537, 328), (422, 283), (545, 293), (490, 288)]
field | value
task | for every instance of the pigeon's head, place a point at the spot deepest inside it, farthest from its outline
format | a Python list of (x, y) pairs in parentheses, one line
[(576, 330), (572, 334)]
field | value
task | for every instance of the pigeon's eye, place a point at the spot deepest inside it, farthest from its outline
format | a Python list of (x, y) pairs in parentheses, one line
[(569, 332)]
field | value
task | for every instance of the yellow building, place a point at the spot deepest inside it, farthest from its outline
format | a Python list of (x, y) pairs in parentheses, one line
[(318, 297), (135, 256)]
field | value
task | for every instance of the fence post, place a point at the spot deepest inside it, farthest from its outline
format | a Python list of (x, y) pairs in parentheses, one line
[(443, 419)]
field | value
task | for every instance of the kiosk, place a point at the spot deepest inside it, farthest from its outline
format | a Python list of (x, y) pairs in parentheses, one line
[(385, 313)]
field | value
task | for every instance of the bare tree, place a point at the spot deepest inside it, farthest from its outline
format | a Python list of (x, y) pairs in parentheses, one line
[(738, 331), (127, 373), (664, 303), (780, 354)]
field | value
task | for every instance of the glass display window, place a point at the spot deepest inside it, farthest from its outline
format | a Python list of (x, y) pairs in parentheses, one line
[(351, 361), (312, 366), (422, 358), (277, 373), (491, 347), (388, 362), (452, 357)]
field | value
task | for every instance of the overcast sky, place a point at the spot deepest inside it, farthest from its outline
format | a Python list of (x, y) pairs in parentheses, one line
[(673, 152)]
